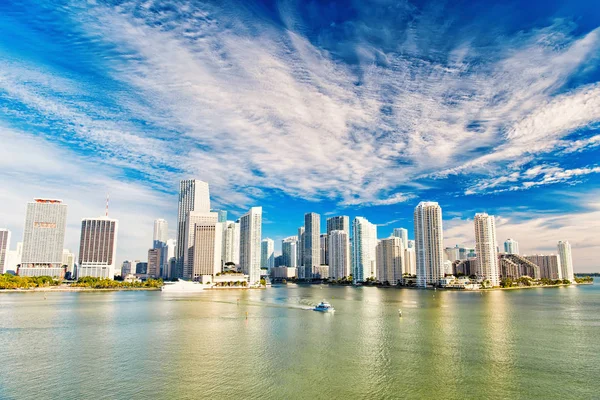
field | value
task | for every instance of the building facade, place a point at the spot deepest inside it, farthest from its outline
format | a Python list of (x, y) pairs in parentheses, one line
[(312, 243), (300, 251), (401, 233), (194, 220), (339, 265), (390, 260), (549, 265), (44, 238), (429, 243), (154, 262), (231, 243), (267, 254), (98, 248), (364, 254), (250, 244), (4, 249), (566, 260), (511, 246), (289, 251), (207, 248), (486, 247), (161, 233)]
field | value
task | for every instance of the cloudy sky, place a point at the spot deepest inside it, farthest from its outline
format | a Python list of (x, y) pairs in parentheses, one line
[(334, 107)]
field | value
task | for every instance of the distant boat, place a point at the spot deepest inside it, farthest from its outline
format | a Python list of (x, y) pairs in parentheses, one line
[(324, 307), (182, 286)]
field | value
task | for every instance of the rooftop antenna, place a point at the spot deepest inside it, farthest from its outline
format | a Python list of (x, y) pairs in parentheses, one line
[(106, 204)]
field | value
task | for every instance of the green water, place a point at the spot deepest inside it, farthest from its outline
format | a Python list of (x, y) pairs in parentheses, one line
[(536, 343)]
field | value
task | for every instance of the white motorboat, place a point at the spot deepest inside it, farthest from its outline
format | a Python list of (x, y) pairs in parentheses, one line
[(182, 286), (324, 307)]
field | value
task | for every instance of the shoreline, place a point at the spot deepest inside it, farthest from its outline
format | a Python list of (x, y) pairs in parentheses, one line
[(75, 289)]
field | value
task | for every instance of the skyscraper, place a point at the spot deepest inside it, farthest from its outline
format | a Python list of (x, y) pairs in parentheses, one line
[(167, 255), (193, 196), (511, 247), (231, 243), (402, 234), (300, 251), (44, 238), (161, 233), (68, 259), (390, 260), (222, 215), (487, 247), (154, 261), (341, 223), (410, 260), (289, 249), (267, 254), (4, 249), (549, 265), (207, 247), (206, 219), (566, 260), (97, 248), (250, 244), (339, 265), (312, 243), (364, 236), (323, 248), (429, 243)]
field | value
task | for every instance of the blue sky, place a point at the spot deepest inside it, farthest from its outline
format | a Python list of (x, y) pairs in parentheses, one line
[(350, 108)]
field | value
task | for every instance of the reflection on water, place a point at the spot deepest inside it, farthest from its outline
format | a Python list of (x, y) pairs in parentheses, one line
[(269, 344)]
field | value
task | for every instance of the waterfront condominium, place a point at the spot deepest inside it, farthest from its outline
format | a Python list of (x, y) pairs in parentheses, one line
[(549, 265), (267, 254), (198, 258), (390, 260), (4, 249), (323, 246), (250, 244), (401, 233), (300, 251), (340, 223), (97, 248), (339, 252), (154, 262), (44, 238), (566, 260), (289, 249), (193, 196), (511, 246), (486, 248), (429, 243), (231, 243), (161, 233), (364, 246), (312, 243)]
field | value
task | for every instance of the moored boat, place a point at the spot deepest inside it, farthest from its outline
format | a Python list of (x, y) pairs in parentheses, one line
[(182, 286)]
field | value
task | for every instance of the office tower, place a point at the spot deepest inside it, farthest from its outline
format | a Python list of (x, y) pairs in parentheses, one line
[(487, 247), (452, 253), (511, 246), (167, 254), (4, 249), (339, 266), (364, 245), (323, 248), (312, 243), (300, 251), (68, 259), (207, 248), (154, 261), (341, 223), (267, 254), (209, 220), (44, 238), (231, 244), (402, 234), (193, 196), (289, 249), (97, 247), (411, 244), (566, 260), (128, 267), (222, 215), (13, 258), (390, 260), (429, 243), (161, 233), (410, 261), (141, 268), (549, 265), (250, 244)]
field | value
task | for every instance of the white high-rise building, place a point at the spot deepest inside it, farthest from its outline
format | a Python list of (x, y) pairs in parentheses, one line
[(312, 243), (250, 244), (44, 238), (401, 233), (429, 243), (452, 253), (194, 219), (341, 223), (410, 261), (98, 248), (231, 243), (13, 259), (390, 260), (4, 249), (566, 260), (267, 254), (339, 265), (207, 248), (364, 247), (486, 247), (193, 196), (166, 257), (68, 259), (289, 251), (161, 233), (511, 246)]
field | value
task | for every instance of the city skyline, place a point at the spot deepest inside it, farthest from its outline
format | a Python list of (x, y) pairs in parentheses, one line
[(315, 114)]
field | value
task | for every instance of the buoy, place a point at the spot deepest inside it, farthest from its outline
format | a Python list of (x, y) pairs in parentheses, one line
[(399, 312)]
